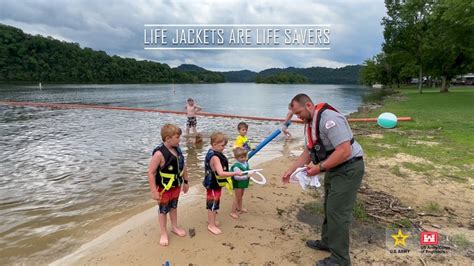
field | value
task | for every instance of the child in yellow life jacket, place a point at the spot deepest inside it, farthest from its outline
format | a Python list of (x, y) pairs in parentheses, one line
[(217, 175), (167, 174), (240, 182), (242, 140)]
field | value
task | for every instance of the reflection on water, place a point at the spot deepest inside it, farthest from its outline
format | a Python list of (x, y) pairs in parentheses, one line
[(64, 173)]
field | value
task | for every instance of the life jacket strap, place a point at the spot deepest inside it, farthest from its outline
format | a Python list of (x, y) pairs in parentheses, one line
[(171, 178), (225, 182)]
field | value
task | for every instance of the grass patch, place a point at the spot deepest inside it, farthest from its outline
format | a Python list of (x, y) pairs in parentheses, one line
[(461, 241), (418, 167), (433, 207), (396, 171), (359, 211), (444, 118), (405, 222)]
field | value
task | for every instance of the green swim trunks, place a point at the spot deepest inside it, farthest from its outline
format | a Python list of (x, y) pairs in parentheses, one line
[(240, 183)]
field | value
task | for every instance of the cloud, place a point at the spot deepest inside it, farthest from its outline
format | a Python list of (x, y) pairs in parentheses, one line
[(117, 28)]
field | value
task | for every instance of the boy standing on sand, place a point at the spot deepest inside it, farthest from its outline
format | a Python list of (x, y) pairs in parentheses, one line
[(191, 111), (216, 176), (166, 174)]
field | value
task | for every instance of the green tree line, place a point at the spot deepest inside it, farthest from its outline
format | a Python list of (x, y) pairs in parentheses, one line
[(282, 78), (28, 58), (425, 39), (319, 75)]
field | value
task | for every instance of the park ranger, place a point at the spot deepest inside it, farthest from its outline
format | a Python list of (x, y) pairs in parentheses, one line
[(330, 148)]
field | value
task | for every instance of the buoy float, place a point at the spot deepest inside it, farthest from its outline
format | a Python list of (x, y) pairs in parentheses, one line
[(387, 120)]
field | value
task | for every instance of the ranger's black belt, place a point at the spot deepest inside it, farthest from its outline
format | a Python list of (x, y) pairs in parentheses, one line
[(352, 160)]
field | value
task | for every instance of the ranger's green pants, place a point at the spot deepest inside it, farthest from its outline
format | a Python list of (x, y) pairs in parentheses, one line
[(340, 190)]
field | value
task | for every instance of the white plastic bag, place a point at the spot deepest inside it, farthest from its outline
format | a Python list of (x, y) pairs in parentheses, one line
[(301, 176)]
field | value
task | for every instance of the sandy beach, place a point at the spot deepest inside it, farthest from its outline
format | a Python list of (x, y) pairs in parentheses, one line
[(268, 234)]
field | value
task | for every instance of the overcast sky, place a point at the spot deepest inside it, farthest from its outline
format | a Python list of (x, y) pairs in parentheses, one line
[(117, 28)]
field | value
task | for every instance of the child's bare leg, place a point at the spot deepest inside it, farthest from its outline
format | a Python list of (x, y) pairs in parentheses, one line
[(174, 223), (216, 222), (235, 204), (164, 234), (240, 201), (211, 219), (187, 130)]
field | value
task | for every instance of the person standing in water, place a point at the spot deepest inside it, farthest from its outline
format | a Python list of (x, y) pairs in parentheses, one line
[(191, 110)]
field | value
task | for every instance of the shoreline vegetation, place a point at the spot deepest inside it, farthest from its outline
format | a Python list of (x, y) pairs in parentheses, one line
[(429, 40), (32, 59)]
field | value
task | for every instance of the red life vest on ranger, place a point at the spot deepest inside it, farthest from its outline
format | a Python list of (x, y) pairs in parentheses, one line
[(313, 140)]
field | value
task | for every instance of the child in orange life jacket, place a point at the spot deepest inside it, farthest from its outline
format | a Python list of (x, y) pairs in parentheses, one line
[(216, 176), (240, 183), (242, 140), (167, 174)]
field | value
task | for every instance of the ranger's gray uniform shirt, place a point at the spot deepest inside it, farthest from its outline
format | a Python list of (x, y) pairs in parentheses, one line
[(334, 130)]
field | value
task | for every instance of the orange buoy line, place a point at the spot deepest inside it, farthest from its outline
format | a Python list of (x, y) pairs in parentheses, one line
[(122, 108), (108, 107)]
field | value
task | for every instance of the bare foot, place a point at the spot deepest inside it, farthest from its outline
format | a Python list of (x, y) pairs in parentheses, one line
[(214, 229), (164, 240), (179, 231), (243, 210), (234, 215), (217, 223)]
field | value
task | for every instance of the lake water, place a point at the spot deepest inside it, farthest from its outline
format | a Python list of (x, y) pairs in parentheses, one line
[(66, 174)]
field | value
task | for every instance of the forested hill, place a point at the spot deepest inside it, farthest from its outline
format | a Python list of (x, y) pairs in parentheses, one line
[(202, 74), (239, 76), (316, 75), (28, 58), (24, 57)]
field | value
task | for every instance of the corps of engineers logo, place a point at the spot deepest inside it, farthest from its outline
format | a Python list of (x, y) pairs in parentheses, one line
[(406, 241), (429, 242)]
